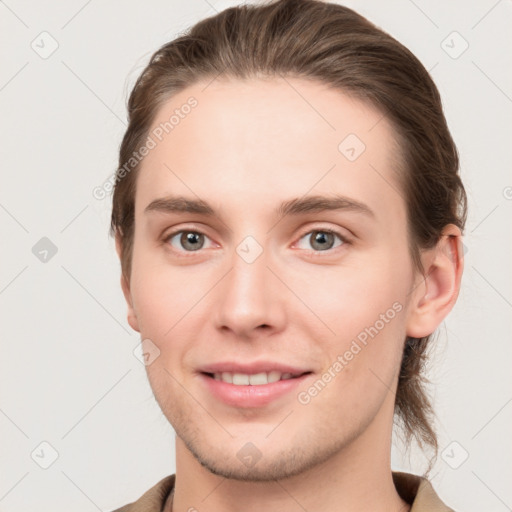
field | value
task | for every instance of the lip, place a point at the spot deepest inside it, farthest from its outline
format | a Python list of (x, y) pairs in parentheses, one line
[(250, 396), (252, 368)]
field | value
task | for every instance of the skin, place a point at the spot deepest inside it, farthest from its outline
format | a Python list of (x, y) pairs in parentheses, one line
[(245, 148)]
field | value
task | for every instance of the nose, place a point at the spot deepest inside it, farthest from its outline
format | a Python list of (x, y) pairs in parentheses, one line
[(250, 298)]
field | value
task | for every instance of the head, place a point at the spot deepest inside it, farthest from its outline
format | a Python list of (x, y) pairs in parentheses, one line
[(248, 110)]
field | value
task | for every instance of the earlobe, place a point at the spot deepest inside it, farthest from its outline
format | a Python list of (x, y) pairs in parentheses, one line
[(437, 293)]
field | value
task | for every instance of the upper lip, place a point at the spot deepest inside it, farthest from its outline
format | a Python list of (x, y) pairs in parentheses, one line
[(252, 368)]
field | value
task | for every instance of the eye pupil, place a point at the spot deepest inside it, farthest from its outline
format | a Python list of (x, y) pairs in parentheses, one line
[(192, 239), (322, 238)]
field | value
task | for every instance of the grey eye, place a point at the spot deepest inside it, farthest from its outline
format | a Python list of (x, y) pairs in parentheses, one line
[(188, 240), (322, 240)]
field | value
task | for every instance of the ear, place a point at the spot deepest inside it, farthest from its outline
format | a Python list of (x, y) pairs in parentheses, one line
[(125, 286), (434, 295)]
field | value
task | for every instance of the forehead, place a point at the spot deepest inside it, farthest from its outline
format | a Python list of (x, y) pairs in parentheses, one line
[(257, 141)]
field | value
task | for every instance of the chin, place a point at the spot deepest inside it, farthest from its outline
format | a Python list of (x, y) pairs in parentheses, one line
[(261, 467)]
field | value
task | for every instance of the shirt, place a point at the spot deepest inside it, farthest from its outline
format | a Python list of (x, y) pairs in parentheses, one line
[(415, 490)]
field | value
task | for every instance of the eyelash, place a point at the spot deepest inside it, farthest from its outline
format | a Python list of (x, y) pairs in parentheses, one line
[(345, 241)]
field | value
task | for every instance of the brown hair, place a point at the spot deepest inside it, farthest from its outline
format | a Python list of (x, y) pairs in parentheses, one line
[(336, 46)]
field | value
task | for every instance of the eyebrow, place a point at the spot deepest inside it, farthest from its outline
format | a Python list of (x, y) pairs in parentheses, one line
[(297, 206)]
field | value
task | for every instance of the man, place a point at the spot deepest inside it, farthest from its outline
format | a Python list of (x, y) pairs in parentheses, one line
[(268, 254)]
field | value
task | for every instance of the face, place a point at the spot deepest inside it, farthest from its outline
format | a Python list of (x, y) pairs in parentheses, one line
[(266, 280)]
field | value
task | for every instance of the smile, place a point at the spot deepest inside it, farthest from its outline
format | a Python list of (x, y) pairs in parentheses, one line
[(257, 379), (251, 390)]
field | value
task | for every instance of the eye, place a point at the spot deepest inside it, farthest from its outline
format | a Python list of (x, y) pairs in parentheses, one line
[(323, 239), (186, 240)]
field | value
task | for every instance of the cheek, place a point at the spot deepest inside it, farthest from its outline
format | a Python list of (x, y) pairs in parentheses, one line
[(160, 304), (364, 310), (159, 294), (349, 299), (171, 303)]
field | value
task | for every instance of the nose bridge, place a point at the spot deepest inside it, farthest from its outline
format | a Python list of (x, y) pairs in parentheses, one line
[(248, 295)]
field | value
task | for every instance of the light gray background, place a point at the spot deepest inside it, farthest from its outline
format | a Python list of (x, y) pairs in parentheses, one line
[(68, 373)]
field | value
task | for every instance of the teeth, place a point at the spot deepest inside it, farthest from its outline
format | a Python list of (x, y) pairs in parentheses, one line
[(226, 377), (240, 379), (257, 379), (273, 376)]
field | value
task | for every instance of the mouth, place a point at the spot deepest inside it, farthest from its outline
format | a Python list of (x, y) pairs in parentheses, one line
[(251, 390), (255, 379)]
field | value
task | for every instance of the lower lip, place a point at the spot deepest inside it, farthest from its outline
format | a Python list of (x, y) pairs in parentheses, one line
[(251, 396)]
